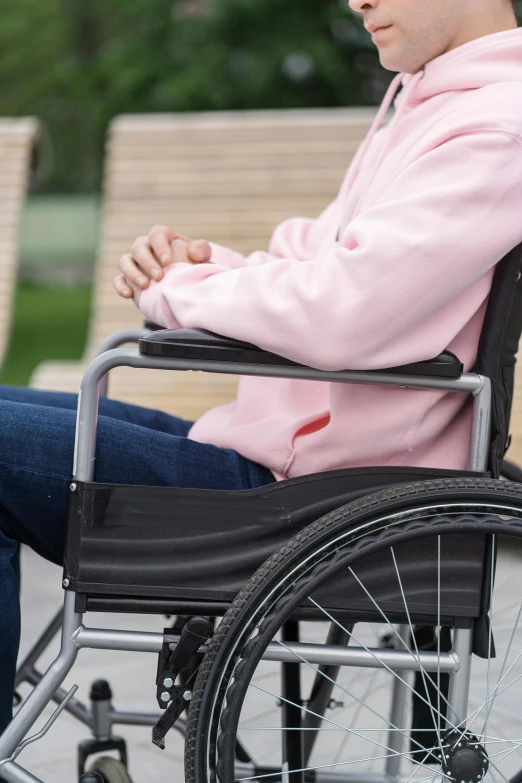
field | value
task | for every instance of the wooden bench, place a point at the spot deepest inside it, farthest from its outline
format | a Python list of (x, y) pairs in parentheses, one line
[(230, 177), (18, 145)]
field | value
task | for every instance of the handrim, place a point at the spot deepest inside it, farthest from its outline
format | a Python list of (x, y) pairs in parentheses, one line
[(262, 593)]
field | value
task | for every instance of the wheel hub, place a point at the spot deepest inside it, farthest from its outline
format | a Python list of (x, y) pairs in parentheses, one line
[(465, 759)]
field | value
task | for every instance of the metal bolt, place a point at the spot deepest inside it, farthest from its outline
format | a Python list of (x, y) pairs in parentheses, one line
[(168, 682), (66, 583), (73, 487), (187, 695), (165, 696)]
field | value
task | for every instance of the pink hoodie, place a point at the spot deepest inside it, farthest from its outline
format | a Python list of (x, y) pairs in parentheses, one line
[(397, 269)]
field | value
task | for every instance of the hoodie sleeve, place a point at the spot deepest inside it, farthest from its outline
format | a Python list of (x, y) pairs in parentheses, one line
[(291, 239), (395, 289)]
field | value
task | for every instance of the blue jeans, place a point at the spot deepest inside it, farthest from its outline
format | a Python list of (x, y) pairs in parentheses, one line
[(134, 446)]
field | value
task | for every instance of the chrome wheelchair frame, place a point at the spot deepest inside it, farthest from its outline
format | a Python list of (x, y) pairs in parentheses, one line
[(76, 636)]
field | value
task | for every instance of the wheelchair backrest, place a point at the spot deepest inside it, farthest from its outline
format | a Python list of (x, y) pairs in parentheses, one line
[(498, 347)]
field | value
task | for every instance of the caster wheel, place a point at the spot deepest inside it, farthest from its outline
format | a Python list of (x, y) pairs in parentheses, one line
[(111, 770)]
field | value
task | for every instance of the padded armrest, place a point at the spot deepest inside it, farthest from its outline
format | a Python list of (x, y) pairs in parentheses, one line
[(200, 344)]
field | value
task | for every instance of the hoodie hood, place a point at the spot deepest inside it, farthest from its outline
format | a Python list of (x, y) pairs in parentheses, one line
[(487, 60)]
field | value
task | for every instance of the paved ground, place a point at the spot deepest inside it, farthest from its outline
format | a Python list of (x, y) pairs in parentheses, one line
[(132, 678), (131, 675)]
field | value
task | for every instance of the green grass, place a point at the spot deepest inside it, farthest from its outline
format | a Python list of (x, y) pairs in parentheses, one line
[(57, 230), (49, 323)]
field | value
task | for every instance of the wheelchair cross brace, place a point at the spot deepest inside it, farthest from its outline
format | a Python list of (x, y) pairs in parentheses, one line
[(75, 636)]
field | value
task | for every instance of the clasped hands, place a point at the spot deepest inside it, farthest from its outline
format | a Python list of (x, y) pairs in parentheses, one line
[(149, 255)]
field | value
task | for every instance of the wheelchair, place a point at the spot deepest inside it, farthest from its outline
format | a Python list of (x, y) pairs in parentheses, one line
[(354, 626)]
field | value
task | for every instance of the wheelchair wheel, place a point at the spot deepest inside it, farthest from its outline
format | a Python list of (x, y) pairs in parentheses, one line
[(111, 770), (348, 655)]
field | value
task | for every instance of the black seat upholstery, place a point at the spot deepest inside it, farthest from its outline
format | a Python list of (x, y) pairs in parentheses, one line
[(191, 544)]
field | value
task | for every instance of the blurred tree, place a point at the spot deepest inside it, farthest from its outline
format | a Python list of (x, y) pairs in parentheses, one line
[(77, 63)]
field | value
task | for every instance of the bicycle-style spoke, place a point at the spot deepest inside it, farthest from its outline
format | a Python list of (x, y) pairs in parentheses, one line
[(329, 720), (319, 766), (494, 694), (381, 663), (431, 778), (498, 741), (505, 713), (490, 705), (407, 648), (504, 778), (490, 634), (348, 693), (349, 730), (359, 709), (405, 645), (422, 671), (421, 764), (491, 697), (504, 753)]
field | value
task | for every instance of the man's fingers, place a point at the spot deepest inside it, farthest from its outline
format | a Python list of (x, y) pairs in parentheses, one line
[(199, 251), (145, 260), (132, 272), (161, 238), (149, 254), (121, 287), (180, 251)]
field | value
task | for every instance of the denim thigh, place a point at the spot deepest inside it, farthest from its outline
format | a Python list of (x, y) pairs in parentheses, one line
[(124, 411), (36, 462)]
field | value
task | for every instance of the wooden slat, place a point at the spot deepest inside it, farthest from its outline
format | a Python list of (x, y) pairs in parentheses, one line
[(200, 156), (150, 187), (17, 139)]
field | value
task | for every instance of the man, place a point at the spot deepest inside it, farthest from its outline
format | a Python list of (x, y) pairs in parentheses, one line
[(396, 269)]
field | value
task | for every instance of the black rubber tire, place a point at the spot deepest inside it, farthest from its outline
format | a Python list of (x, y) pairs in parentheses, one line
[(437, 496), (111, 770)]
